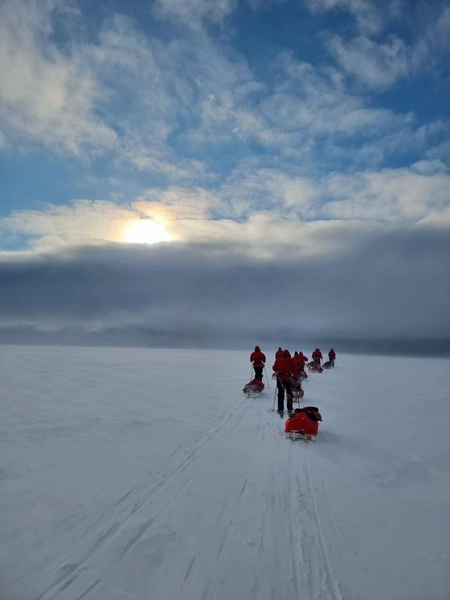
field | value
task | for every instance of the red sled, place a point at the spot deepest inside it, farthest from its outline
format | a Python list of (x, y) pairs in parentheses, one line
[(304, 422), (253, 388), (313, 368)]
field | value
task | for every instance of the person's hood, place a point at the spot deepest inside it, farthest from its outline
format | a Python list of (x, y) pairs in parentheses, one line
[(257, 349)]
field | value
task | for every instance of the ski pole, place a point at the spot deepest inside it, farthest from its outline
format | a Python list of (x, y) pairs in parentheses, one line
[(274, 397), (267, 379)]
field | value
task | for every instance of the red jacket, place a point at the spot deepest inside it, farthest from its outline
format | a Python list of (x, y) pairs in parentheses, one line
[(317, 354), (278, 353), (257, 357), (331, 354), (283, 367), (297, 362)]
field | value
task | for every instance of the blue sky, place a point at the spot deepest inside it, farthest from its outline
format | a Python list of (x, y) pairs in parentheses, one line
[(282, 129)]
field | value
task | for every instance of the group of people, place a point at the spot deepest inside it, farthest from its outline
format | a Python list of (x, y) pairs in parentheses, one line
[(288, 371), (317, 357)]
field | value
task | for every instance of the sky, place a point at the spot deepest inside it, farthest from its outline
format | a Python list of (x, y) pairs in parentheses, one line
[(218, 173)]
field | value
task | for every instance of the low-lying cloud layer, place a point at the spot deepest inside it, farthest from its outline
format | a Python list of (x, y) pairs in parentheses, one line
[(379, 291)]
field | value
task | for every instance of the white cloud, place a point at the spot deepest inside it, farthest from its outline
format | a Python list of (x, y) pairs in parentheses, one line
[(176, 203), (174, 169), (266, 209), (187, 102), (433, 49), (429, 167), (376, 65), (195, 11), (391, 195), (308, 113), (437, 219), (439, 32), (368, 16), (381, 61), (46, 95), (82, 222)]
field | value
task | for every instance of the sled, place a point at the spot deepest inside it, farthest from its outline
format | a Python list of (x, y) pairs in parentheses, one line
[(253, 388), (297, 435), (297, 395), (251, 394), (297, 392)]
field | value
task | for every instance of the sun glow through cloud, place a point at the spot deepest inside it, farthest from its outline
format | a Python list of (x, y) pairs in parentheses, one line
[(146, 232)]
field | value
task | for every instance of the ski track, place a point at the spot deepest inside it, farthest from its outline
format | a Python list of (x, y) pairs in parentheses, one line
[(102, 500), (284, 529), (297, 573), (332, 579), (139, 496)]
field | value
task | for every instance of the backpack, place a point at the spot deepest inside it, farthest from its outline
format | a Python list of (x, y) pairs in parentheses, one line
[(312, 412)]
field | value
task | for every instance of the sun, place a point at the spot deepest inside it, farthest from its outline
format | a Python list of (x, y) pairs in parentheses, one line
[(146, 231)]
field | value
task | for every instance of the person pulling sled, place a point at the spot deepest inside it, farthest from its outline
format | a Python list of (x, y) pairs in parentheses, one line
[(317, 356), (283, 371), (332, 356), (258, 359)]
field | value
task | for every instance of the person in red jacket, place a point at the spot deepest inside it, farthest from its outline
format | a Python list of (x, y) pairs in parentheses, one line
[(332, 356), (299, 361), (304, 420), (258, 359), (284, 372), (295, 364), (317, 356), (302, 362), (278, 353)]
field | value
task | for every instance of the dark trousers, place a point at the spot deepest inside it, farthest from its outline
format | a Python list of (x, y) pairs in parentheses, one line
[(317, 361), (332, 362), (258, 373), (282, 387)]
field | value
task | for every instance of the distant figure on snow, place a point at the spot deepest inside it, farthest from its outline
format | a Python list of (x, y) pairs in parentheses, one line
[(283, 369), (332, 356), (258, 359), (317, 356)]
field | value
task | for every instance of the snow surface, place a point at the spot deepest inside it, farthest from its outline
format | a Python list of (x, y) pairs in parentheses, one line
[(145, 474)]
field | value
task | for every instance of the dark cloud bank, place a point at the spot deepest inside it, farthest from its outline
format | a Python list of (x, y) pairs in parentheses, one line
[(387, 294)]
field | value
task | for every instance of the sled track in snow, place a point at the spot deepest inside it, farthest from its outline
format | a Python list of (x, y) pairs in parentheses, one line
[(112, 522), (296, 572), (332, 580)]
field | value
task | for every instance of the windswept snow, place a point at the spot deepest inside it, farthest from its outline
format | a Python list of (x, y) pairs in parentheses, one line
[(135, 474)]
